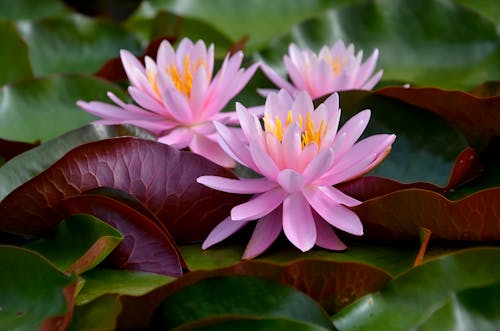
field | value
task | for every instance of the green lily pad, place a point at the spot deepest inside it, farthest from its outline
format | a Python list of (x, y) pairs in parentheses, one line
[(74, 43), (32, 289), (100, 282), (79, 243), (410, 300), (237, 295), (31, 9), (27, 107), (13, 47), (99, 314)]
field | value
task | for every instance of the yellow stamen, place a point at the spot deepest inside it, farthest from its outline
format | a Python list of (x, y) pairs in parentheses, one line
[(183, 81), (336, 64), (309, 132)]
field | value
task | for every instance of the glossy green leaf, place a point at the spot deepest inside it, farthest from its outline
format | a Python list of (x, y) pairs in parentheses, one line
[(79, 243), (13, 47), (250, 324), (237, 295), (409, 300), (414, 156), (100, 314), (261, 20), (74, 44), (431, 43), (471, 309), (31, 9), (99, 282), (31, 289), (27, 108), (488, 8)]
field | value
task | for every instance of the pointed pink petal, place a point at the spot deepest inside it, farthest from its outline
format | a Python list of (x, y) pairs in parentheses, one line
[(165, 55), (210, 150), (146, 101), (233, 146), (319, 165), (292, 146), (198, 91), (223, 230), (291, 181), (326, 237), (338, 196), (302, 104), (249, 124), (298, 222), (373, 81), (177, 105), (350, 132), (308, 153), (277, 79), (240, 186), (265, 233), (265, 164), (260, 205), (178, 138), (366, 69), (295, 76), (337, 215), (132, 66)]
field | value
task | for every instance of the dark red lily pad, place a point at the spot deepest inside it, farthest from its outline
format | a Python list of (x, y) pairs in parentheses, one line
[(159, 176), (399, 215), (10, 149), (146, 246), (478, 119)]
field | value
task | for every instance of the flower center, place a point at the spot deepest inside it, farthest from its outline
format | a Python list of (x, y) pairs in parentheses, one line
[(182, 78), (309, 131), (336, 64)]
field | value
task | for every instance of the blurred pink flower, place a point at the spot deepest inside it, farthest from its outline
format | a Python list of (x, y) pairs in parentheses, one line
[(177, 97), (333, 69), (301, 155)]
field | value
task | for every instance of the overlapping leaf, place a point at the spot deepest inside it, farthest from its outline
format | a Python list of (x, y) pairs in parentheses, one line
[(161, 177), (411, 300)]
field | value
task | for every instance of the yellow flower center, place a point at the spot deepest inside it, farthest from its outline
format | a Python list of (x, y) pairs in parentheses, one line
[(309, 132), (336, 64), (182, 79)]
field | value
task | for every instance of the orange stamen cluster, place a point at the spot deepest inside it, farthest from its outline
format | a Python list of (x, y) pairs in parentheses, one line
[(309, 132)]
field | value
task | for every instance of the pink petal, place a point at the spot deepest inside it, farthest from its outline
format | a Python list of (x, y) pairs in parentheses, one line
[(165, 55), (210, 150), (146, 101), (240, 186), (177, 105), (132, 66), (373, 81), (265, 164), (366, 69), (292, 146), (350, 132), (179, 138), (302, 104), (265, 233), (337, 215), (233, 146), (223, 230), (277, 79), (308, 153), (338, 196), (291, 181), (319, 165), (326, 237), (249, 124), (296, 77), (198, 91), (298, 222), (260, 205)]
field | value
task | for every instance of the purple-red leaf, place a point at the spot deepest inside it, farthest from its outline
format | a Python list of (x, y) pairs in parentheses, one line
[(159, 176), (145, 247), (400, 214)]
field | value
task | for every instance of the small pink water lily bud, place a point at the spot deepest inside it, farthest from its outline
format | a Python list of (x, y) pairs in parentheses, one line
[(333, 69), (301, 156), (177, 97)]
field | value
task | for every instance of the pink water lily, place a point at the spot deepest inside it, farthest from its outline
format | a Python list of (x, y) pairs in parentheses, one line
[(177, 97), (333, 69), (301, 156)]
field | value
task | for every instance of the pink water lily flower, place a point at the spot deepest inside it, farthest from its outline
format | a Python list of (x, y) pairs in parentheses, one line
[(177, 96), (333, 69), (301, 156)]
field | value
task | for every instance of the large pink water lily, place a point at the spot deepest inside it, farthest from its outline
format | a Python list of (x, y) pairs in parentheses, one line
[(333, 69), (177, 97), (301, 156)]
